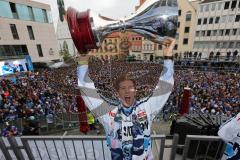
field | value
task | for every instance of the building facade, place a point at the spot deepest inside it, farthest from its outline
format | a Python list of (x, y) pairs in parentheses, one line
[(26, 28), (187, 14), (115, 44), (218, 27), (64, 38)]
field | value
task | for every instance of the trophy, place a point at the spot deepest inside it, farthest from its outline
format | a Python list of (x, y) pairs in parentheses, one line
[(154, 20)]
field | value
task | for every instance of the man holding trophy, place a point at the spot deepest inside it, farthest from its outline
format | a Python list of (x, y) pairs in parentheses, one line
[(125, 114)]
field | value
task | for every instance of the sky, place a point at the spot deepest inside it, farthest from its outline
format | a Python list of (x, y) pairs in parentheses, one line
[(109, 8)]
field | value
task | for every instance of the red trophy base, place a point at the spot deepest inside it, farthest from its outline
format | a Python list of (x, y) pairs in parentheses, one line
[(80, 29)]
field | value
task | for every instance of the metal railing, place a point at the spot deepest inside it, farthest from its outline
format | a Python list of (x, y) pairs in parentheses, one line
[(61, 121), (95, 147)]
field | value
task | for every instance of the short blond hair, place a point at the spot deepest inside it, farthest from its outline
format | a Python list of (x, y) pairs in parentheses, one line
[(121, 79)]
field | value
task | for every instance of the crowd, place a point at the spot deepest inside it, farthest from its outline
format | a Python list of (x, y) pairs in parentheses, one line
[(104, 73), (39, 94), (45, 93), (211, 92)]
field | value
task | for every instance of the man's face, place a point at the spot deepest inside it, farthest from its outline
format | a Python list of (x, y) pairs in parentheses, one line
[(127, 92)]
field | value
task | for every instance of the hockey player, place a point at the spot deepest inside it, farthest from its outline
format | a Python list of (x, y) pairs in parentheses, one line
[(128, 125)]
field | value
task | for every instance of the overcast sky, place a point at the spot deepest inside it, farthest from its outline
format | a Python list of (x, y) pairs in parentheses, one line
[(109, 8)]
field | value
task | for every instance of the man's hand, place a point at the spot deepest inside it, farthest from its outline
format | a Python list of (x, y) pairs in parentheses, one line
[(168, 45)]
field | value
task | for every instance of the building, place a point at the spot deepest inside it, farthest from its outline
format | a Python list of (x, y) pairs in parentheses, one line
[(187, 14), (114, 44), (26, 28), (136, 45), (218, 28), (64, 38)]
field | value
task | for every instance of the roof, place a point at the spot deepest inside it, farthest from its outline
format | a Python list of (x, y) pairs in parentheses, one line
[(209, 1)]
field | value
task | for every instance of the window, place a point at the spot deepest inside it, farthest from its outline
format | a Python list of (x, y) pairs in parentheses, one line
[(225, 45), (237, 19), (38, 14), (214, 33), (188, 16), (163, 3), (23, 12), (207, 8), (14, 10), (220, 6), (30, 32), (234, 32), (203, 33), (45, 17), (185, 41), (197, 34), (14, 31), (238, 45), (199, 21), (201, 8), (13, 50), (211, 20), (30, 11), (50, 20), (186, 29), (230, 18), (223, 19), (209, 33), (231, 45), (227, 32), (175, 47), (178, 24), (221, 32), (5, 9), (205, 21), (171, 3), (159, 47), (234, 4), (213, 7), (39, 48), (226, 5), (179, 12), (217, 20)]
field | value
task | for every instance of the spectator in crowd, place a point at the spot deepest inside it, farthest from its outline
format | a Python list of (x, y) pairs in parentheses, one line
[(9, 131)]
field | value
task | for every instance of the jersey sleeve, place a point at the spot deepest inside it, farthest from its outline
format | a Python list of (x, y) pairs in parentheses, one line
[(98, 107), (230, 129), (162, 90)]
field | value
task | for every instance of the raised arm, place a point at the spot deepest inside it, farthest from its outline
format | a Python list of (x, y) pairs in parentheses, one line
[(165, 84), (230, 129), (89, 93)]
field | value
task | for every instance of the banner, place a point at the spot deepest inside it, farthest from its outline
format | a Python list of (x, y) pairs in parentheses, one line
[(17, 65)]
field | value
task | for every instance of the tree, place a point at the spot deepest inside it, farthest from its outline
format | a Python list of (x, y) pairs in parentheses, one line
[(65, 52)]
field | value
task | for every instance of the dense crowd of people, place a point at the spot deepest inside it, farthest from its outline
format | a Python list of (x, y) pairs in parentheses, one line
[(45, 93), (104, 73), (211, 92), (39, 94)]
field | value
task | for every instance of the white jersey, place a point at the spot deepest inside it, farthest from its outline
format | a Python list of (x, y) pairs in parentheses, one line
[(128, 131), (230, 133)]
